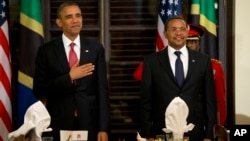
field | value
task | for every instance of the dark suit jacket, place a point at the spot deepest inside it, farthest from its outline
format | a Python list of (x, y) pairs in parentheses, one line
[(89, 95), (159, 87)]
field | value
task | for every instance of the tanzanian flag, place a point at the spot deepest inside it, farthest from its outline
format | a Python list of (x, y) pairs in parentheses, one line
[(203, 13), (31, 38)]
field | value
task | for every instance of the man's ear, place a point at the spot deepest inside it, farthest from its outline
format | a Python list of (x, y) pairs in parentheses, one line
[(165, 34), (58, 22)]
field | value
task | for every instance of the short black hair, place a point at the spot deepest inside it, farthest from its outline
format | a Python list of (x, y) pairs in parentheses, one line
[(64, 4), (173, 18)]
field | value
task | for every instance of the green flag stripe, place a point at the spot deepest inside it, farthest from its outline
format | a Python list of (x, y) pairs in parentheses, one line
[(208, 10), (25, 80), (207, 15), (195, 1), (32, 8), (204, 7), (207, 18), (210, 26), (203, 13), (31, 24), (31, 38)]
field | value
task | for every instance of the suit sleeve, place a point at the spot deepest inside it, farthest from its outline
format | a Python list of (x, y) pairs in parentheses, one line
[(145, 102), (103, 91), (210, 102)]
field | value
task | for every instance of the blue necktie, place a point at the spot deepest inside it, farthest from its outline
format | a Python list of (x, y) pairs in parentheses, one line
[(179, 73)]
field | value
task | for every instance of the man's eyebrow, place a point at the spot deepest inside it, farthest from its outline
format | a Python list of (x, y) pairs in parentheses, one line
[(68, 15), (79, 14)]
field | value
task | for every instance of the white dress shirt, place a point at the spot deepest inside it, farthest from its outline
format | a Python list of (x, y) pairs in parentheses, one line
[(173, 57), (66, 43)]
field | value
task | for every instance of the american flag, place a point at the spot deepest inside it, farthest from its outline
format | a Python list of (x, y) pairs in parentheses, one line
[(167, 9), (5, 74)]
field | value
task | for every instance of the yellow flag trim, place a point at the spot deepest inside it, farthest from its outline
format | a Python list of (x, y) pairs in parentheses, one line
[(210, 26), (195, 9), (31, 24), (25, 79)]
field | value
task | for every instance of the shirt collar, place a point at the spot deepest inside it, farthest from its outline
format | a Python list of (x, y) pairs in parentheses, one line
[(183, 50), (67, 41)]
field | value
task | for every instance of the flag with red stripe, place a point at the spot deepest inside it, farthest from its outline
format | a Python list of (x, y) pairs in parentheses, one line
[(5, 74), (167, 9)]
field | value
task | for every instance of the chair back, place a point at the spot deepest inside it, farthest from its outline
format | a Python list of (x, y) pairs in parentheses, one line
[(220, 133)]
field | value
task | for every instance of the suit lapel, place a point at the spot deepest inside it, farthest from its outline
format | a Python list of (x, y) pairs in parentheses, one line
[(85, 57), (191, 63), (85, 51), (60, 54), (62, 59), (164, 61)]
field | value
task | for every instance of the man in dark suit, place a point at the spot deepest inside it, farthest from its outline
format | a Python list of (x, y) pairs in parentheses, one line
[(193, 42), (76, 94), (160, 87)]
